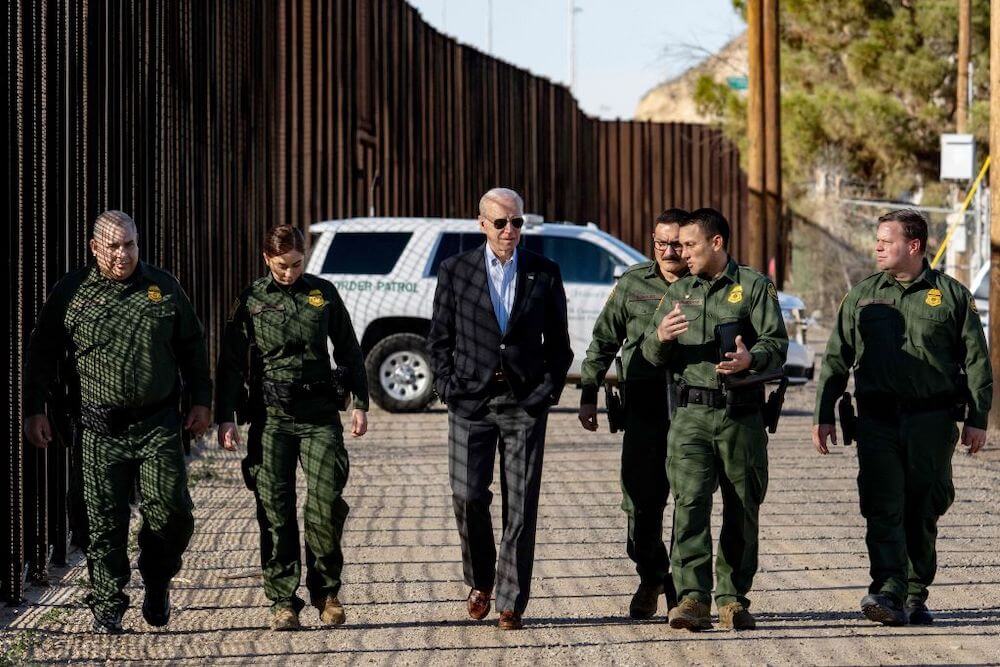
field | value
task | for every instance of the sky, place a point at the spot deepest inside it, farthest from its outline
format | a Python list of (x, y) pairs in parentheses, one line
[(623, 47)]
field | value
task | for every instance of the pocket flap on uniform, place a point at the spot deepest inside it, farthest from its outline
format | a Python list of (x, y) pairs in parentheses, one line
[(265, 307)]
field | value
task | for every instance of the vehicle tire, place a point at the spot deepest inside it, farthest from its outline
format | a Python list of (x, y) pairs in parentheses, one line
[(399, 373)]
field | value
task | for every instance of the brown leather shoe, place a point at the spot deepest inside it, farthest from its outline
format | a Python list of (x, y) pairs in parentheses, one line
[(510, 620), (478, 604)]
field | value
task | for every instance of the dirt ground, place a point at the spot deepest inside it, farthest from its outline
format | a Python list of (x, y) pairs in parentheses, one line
[(405, 597)]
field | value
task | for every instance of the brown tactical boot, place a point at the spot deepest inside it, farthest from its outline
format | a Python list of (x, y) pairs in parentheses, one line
[(644, 601), (284, 618), (690, 615), (331, 612), (734, 616)]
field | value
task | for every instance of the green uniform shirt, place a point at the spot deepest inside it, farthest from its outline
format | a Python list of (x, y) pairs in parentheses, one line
[(290, 327), (738, 294), (913, 342), (126, 340), (624, 317)]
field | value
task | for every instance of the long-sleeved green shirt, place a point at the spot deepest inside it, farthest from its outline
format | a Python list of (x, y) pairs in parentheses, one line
[(738, 294), (912, 341), (621, 325), (126, 341), (290, 327)]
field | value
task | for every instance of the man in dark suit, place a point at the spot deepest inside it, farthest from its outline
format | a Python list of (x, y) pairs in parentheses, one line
[(500, 350)]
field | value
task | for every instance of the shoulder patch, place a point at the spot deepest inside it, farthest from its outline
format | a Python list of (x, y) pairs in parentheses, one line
[(973, 307), (772, 291)]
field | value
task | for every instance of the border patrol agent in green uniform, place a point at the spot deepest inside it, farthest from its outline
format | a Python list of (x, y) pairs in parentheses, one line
[(914, 340), (281, 325), (624, 319), (717, 437), (128, 334)]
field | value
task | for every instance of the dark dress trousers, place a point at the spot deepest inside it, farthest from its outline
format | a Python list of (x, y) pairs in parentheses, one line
[(498, 387)]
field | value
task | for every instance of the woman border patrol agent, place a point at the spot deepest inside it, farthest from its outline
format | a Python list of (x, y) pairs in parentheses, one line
[(275, 348)]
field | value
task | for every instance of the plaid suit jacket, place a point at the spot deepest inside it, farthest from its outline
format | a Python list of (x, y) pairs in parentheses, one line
[(467, 347)]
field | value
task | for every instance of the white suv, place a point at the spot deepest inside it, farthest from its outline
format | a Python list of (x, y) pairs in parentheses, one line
[(386, 271)]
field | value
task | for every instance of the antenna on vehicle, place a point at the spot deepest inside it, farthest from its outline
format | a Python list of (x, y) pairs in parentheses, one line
[(532, 219)]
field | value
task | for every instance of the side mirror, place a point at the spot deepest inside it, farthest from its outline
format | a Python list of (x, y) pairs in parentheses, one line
[(620, 269)]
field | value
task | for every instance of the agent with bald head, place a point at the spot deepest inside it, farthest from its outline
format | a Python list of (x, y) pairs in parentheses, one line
[(124, 336), (500, 350)]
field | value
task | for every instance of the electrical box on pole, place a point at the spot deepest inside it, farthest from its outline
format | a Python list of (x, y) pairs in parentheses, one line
[(958, 157)]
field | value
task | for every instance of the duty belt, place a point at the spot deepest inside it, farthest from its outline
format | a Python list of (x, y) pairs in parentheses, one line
[(891, 406), (713, 398), (115, 420), (285, 395)]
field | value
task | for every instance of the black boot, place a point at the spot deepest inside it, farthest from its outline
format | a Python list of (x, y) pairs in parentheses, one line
[(644, 601), (108, 624), (883, 609), (156, 606), (917, 613)]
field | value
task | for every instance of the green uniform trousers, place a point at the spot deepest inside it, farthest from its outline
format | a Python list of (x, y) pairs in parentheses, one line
[(149, 451), (644, 478), (905, 485), (708, 450), (276, 445)]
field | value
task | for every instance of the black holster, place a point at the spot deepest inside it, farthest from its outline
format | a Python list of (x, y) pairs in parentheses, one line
[(772, 408), (848, 420), (615, 402)]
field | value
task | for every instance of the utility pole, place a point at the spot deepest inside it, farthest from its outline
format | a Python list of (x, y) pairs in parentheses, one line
[(964, 47), (572, 11), (994, 333), (756, 135), (489, 27), (775, 238), (962, 270)]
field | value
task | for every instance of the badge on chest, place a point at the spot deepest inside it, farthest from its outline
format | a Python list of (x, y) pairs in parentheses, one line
[(316, 299)]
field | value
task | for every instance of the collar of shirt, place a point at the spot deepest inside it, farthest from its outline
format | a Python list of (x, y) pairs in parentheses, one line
[(927, 276), (654, 272), (272, 285), (730, 273), (493, 261), (141, 272)]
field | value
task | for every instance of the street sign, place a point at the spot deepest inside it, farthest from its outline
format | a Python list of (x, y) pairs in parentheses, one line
[(737, 82)]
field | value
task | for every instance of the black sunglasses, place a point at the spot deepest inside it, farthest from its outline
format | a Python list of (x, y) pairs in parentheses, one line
[(517, 222)]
